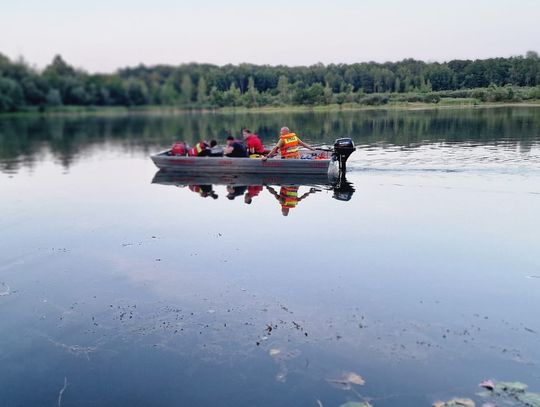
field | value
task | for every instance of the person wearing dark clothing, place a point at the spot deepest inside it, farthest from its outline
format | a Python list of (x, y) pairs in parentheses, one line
[(234, 191), (235, 148), (215, 150)]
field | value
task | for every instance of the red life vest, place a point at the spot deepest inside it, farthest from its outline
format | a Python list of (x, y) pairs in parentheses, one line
[(290, 148), (178, 148), (197, 149)]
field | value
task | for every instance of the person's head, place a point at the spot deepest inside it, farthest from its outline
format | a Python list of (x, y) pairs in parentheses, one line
[(246, 133), (248, 199), (285, 211), (230, 140), (213, 143), (284, 130)]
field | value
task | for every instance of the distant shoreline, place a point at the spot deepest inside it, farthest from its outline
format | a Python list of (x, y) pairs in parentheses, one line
[(173, 110)]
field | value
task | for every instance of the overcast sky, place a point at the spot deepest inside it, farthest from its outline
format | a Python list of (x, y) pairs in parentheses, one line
[(103, 35)]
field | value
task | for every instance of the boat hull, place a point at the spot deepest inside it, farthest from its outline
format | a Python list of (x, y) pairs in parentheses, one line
[(185, 178), (242, 165)]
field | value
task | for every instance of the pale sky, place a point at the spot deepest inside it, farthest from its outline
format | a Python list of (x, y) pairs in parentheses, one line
[(103, 35)]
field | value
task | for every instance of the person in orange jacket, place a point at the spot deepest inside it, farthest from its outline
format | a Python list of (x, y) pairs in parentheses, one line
[(288, 197), (288, 145)]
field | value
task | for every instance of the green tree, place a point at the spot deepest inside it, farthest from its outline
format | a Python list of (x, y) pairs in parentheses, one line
[(167, 93), (201, 91), (186, 89), (252, 94), (11, 95), (283, 89), (54, 98)]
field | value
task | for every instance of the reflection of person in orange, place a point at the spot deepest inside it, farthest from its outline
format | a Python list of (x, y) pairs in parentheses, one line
[(288, 197), (204, 191), (252, 192), (288, 145)]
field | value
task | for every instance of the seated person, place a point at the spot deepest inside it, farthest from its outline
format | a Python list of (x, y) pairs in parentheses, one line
[(215, 150), (254, 144), (234, 191), (252, 192), (288, 145), (204, 191), (201, 149), (179, 148), (235, 148)]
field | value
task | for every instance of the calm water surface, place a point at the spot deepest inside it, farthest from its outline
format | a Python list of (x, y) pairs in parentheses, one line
[(121, 286)]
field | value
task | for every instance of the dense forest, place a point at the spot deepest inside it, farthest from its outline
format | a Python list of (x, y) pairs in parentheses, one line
[(23, 87)]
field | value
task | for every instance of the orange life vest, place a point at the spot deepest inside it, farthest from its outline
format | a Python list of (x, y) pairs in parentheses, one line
[(290, 148), (197, 149), (289, 197)]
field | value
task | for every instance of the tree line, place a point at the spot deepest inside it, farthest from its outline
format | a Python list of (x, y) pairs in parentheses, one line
[(23, 87)]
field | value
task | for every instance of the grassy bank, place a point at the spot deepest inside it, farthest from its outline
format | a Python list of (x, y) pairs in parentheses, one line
[(450, 103)]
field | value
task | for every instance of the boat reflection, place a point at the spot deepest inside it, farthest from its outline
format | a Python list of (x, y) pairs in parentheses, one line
[(285, 188)]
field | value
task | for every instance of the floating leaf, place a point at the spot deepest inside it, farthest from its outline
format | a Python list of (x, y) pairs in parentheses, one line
[(455, 403), (345, 381), (511, 387), (354, 378), (530, 399)]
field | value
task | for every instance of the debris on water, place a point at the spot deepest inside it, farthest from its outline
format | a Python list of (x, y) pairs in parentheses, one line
[(274, 352), (346, 379), (355, 378), (158, 259), (62, 390), (533, 276), (530, 330), (516, 391), (487, 384), (76, 350), (211, 311), (456, 402), (4, 289), (281, 376), (356, 404)]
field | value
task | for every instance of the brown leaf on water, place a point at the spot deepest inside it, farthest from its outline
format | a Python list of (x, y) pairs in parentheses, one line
[(345, 381), (354, 378)]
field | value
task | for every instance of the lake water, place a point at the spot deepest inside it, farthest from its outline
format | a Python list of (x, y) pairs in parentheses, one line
[(123, 287)]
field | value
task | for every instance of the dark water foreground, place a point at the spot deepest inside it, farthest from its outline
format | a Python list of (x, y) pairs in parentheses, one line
[(123, 287)]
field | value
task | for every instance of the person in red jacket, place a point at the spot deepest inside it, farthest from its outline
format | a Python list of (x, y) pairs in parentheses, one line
[(254, 144)]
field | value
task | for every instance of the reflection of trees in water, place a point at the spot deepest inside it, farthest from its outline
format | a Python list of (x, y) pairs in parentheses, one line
[(24, 139)]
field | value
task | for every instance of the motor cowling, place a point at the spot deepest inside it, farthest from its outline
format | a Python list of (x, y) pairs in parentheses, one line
[(343, 148)]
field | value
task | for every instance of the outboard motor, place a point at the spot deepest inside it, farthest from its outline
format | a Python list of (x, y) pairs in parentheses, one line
[(343, 148), (343, 189)]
